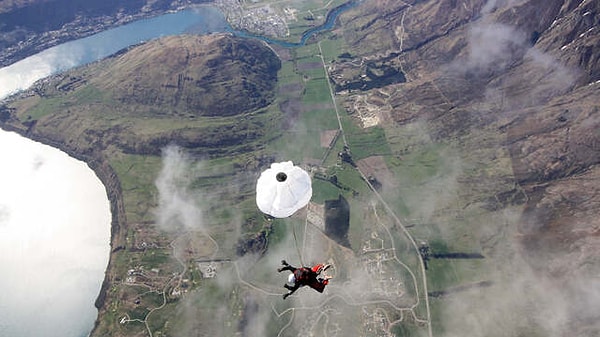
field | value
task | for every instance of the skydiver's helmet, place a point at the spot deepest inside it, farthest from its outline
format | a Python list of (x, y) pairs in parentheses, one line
[(292, 279)]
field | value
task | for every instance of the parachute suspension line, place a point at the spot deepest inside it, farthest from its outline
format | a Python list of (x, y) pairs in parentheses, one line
[(296, 244)]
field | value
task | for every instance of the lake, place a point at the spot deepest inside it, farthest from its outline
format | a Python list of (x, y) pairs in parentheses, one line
[(54, 240)]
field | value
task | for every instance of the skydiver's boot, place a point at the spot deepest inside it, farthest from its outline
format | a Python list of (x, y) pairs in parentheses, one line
[(326, 267)]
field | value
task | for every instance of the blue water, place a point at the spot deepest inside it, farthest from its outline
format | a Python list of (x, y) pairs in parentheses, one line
[(198, 21)]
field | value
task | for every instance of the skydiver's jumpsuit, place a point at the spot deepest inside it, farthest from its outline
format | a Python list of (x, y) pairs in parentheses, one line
[(305, 277)]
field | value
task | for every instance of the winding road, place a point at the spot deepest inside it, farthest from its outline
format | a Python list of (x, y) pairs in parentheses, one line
[(383, 202)]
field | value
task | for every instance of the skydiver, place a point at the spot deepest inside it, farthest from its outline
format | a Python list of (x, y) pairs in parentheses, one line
[(305, 276)]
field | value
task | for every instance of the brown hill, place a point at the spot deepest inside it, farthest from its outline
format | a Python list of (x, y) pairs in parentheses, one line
[(205, 76)]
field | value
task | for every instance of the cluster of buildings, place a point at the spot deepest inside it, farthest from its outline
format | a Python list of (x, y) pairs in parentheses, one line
[(263, 20)]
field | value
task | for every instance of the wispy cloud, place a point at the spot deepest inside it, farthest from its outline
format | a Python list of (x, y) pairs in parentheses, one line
[(493, 47), (517, 74), (21, 75), (523, 301), (491, 5), (178, 204)]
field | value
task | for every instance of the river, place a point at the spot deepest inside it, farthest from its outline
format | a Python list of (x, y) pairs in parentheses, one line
[(54, 212)]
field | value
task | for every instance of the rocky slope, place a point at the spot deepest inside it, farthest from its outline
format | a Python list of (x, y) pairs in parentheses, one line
[(528, 71), (477, 63)]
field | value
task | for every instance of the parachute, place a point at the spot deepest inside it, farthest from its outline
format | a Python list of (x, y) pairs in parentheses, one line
[(283, 189)]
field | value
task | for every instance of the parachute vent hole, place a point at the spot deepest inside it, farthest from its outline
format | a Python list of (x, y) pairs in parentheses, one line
[(281, 177)]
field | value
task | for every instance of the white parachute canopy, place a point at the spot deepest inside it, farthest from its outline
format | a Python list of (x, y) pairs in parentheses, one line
[(283, 189)]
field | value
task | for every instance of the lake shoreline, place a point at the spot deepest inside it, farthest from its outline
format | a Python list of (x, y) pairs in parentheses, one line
[(109, 180)]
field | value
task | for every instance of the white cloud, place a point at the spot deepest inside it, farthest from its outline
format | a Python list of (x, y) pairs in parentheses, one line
[(178, 205), (491, 5), (21, 75)]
